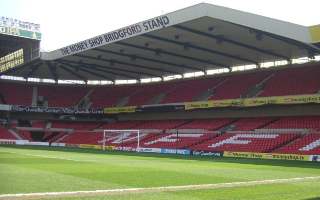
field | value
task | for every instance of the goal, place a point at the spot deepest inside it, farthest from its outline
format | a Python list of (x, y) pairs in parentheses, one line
[(120, 136)]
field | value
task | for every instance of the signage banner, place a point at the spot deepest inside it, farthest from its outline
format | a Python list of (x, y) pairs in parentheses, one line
[(299, 99), (5, 141), (54, 144), (72, 145), (11, 22), (89, 146), (198, 104), (315, 33), (15, 27), (120, 34), (227, 103), (57, 110), (128, 149), (109, 147), (115, 110), (20, 32), (4, 107), (259, 101), (21, 142), (272, 156), (176, 151), (315, 158), (149, 150), (250, 102), (37, 143), (211, 154)]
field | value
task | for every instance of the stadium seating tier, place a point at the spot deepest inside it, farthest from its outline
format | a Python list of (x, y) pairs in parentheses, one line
[(280, 82)]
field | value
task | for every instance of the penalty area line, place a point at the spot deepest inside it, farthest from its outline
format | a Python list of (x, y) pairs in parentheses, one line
[(24, 196)]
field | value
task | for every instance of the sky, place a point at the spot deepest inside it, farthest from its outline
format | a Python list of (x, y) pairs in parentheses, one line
[(64, 22)]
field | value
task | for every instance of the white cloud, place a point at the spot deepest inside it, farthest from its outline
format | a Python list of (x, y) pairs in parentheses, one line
[(64, 22)]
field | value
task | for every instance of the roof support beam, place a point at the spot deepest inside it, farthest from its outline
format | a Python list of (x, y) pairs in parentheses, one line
[(104, 69), (81, 67), (172, 54), (63, 66), (298, 44), (307, 47), (231, 42), (34, 68), (90, 72), (200, 48), (53, 70), (127, 64), (149, 59), (108, 67)]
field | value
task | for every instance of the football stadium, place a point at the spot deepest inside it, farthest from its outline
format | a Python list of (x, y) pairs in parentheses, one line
[(205, 102)]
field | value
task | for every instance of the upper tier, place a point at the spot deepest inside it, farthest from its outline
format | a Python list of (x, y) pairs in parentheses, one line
[(276, 82)]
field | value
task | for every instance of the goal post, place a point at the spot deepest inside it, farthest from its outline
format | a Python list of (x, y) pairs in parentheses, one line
[(122, 133)]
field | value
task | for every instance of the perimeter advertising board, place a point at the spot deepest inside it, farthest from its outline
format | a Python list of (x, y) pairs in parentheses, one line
[(271, 156), (207, 154), (90, 146), (176, 151), (115, 110), (315, 158), (251, 102)]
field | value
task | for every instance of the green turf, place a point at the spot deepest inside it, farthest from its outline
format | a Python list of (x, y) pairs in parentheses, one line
[(38, 169)]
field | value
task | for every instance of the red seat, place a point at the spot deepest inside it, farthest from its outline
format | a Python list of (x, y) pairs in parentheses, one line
[(307, 145), (245, 142)]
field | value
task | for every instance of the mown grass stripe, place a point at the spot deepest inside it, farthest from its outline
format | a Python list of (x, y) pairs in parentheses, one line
[(24, 196)]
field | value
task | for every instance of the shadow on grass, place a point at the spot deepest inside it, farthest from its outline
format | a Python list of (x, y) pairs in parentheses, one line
[(315, 198), (281, 163)]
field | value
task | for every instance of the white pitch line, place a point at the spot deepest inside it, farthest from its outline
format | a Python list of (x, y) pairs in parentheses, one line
[(151, 189), (52, 157)]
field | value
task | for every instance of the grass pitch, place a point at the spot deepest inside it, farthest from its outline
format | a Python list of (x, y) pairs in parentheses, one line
[(37, 169)]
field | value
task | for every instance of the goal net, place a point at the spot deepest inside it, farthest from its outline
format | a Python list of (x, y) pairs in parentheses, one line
[(121, 139)]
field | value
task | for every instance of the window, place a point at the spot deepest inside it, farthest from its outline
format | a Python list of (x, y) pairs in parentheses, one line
[(11, 60)]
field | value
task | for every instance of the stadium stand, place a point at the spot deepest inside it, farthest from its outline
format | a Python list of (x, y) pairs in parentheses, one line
[(304, 80), (110, 96), (126, 140), (55, 95), (296, 123), (185, 91), (245, 142), (309, 144), (251, 123), (236, 86), (39, 124), (74, 95), (207, 124), (160, 124), (16, 94), (26, 135), (75, 125), (5, 134), (242, 140), (147, 94), (236, 61), (83, 138), (174, 141), (287, 81), (121, 125)]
